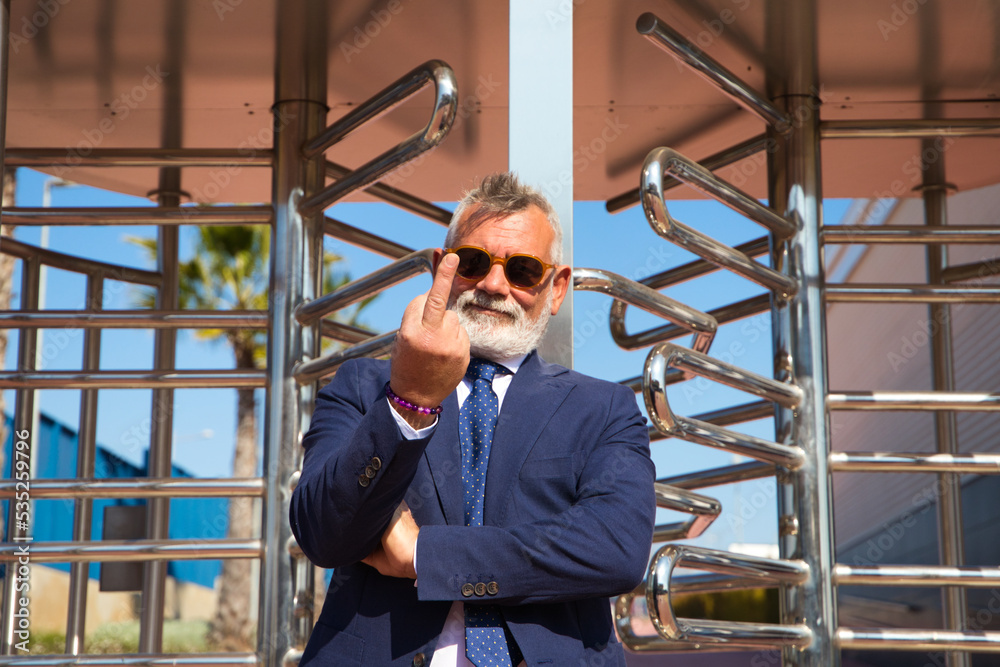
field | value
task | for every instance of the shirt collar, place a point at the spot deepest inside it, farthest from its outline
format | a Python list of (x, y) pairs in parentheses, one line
[(511, 363)]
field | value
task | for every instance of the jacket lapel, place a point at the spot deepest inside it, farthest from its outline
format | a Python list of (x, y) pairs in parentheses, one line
[(444, 456), (534, 395)]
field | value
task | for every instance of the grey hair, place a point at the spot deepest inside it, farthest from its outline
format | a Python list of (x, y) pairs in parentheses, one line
[(498, 196)]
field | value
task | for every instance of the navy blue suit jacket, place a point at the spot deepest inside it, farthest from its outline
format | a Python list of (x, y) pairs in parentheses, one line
[(568, 517)]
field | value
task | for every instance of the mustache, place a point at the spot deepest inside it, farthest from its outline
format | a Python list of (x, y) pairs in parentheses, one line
[(493, 302)]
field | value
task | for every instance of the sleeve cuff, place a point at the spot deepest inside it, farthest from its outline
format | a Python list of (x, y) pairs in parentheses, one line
[(408, 431)]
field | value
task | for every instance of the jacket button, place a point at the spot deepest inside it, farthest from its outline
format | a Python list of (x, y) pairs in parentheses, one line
[(363, 480), (468, 590), (419, 660), (493, 588), (370, 472), (376, 462), (480, 589)]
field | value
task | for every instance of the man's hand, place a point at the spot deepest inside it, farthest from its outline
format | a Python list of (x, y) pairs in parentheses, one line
[(431, 352), (394, 556)]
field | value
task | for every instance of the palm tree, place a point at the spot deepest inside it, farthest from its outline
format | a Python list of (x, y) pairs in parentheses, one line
[(229, 271)]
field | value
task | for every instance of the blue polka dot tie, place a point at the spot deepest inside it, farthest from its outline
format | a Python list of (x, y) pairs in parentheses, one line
[(485, 643)]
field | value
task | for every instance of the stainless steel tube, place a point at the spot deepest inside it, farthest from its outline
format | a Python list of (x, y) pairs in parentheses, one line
[(79, 576), (891, 128), (701, 267), (118, 551), (141, 487), (130, 379), (913, 400), (134, 660), (976, 464), (365, 240), (736, 414), (740, 472), (871, 293), (345, 333), (709, 69), (723, 158), (24, 404), (134, 319), (296, 267), (434, 72), (916, 575), (805, 495), (413, 264), (140, 215), (834, 234), (141, 157), (662, 223), (391, 195), (899, 639)]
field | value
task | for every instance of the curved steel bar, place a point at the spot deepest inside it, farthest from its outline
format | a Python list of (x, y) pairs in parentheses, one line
[(704, 509), (142, 487), (980, 464), (365, 240), (923, 639), (134, 660), (443, 116), (875, 293), (767, 571), (723, 158), (107, 551), (659, 361), (658, 32), (690, 172), (134, 319), (140, 157), (642, 643), (703, 326), (913, 400), (15, 248), (843, 234), (707, 248), (916, 128), (736, 414), (391, 195), (376, 281), (699, 267), (314, 369), (731, 313), (141, 215), (229, 378), (916, 575)]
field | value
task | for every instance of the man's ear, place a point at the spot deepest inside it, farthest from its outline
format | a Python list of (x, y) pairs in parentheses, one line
[(560, 286)]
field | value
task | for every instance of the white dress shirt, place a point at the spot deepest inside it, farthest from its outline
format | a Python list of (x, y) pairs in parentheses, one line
[(450, 649)]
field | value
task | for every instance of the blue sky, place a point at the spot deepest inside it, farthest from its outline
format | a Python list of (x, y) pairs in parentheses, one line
[(205, 419)]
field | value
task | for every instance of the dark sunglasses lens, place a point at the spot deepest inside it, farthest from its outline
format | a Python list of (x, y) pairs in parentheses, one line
[(524, 271), (472, 263)]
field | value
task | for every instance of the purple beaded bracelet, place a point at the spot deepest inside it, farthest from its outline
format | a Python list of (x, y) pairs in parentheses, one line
[(410, 406)]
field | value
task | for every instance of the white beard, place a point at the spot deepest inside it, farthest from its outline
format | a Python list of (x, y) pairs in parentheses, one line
[(495, 338)]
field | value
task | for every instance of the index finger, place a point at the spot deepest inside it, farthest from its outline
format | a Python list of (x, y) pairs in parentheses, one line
[(437, 297)]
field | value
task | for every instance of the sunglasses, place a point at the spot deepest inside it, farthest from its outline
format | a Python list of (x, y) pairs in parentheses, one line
[(522, 271)]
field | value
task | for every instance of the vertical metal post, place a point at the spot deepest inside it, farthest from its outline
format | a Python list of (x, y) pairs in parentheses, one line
[(76, 619), (541, 115), (295, 269), (950, 543), (23, 408), (805, 495), (168, 194)]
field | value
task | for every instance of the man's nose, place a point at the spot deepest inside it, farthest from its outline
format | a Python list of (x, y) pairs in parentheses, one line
[(495, 282)]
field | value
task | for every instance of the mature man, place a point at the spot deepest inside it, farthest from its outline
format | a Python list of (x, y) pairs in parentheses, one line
[(476, 511)]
